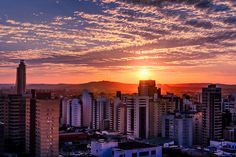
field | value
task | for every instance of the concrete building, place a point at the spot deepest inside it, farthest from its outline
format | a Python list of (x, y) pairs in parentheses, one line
[(122, 119), (87, 104), (137, 115), (147, 88), (188, 104), (102, 148), (76, 113), (71, 112), (229, 133), (1, 139), (64, 112), (141, 117), (42, 128), (158, 108), (21, 78), (119, 114), (136, 149), (101, 113), (129, 102), (12, 114), (197, 128), (185, 129), (212, 116), (223, 148), (168, 126)]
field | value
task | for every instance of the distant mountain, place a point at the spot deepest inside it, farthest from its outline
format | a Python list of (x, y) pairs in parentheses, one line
[(111, 87)]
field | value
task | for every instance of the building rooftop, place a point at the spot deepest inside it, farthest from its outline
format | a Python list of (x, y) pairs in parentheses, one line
[(159, 141), (133, 145)]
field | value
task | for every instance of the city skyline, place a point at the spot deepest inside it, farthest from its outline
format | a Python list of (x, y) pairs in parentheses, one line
[(83, 41)]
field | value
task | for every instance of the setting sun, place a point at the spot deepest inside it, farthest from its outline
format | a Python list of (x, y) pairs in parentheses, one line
[(144, 74)]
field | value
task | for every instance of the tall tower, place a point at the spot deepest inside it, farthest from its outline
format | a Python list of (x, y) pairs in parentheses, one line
[(212, 116), (21, 78), (87, 103), (101, 108)]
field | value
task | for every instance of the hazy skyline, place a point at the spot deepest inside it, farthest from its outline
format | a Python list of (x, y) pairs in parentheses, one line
[(74, 41)]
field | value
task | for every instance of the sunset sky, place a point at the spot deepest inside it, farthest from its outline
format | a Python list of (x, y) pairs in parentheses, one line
[(75, 41)]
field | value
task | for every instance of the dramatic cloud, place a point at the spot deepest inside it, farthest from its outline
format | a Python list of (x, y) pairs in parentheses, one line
[(86, 37)]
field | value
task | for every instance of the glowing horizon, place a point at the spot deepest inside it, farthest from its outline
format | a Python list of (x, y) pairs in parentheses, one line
[(68, 41)]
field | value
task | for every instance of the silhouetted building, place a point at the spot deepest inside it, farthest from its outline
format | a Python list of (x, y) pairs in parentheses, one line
[(12, 114), (87, 104), (230, 133), (212, 116), (1, 138), (147, 88), (21, 78)]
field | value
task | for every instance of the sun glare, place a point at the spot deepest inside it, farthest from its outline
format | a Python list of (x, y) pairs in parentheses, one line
[(144, 74)]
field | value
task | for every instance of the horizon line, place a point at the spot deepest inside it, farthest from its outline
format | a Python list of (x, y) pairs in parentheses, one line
[(68, 83)]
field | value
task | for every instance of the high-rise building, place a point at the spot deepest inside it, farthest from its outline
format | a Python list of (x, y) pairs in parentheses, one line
[(12, 114), (122, 119), (1, 139), (168, 124), (141, 117), (147, 88), (157, 108), (101, 113), (76, 113), (42, 128), (130, 105), (137, 115), (71, 112), (180, 127), (183, 131), (119, 115), (197, 128), (64, 112), (21, 78), (87, 104), (212, 116), (116, 104)]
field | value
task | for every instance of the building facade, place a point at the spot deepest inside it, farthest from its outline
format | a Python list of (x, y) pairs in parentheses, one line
[(12, 114), (212, 116), (42, 128), (21, 78)]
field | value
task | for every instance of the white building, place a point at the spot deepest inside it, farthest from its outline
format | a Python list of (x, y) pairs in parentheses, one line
[(102, 148), (76, 113), (184, 129), (129, 102), (224, 148), (65, 108), (136, 149), (71, 112), (101, 113), (168, 123)]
